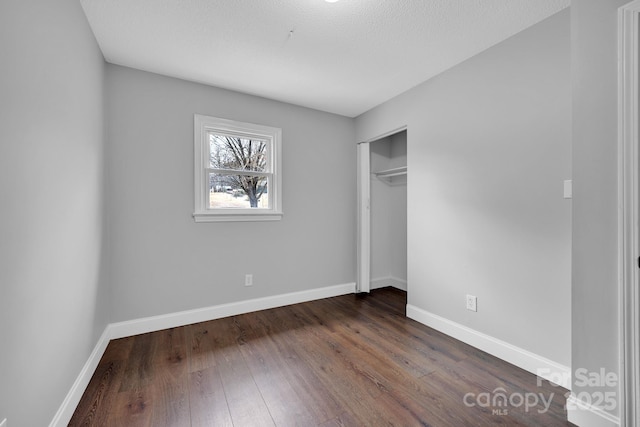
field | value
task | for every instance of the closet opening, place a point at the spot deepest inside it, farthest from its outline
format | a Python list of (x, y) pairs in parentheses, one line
[(382, 213)]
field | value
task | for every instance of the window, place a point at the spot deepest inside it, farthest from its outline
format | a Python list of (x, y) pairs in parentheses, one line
[(237, 171)]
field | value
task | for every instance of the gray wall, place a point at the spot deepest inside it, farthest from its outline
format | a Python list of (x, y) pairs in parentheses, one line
[(161, 260), (594, 261), (52, 305), (489, 145)]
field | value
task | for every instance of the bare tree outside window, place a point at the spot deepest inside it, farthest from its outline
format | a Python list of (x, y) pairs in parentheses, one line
[(234, 159), (237, 170)]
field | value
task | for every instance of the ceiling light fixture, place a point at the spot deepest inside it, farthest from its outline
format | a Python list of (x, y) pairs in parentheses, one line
[(331, 1)]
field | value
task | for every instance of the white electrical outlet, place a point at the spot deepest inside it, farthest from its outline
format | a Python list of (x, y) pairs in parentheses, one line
[(248, 281), (472, 303)]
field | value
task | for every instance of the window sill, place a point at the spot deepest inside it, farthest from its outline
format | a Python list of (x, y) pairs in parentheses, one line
[(236, 216)]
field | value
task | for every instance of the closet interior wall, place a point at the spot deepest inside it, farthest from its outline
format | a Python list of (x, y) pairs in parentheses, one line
[(389, 212)]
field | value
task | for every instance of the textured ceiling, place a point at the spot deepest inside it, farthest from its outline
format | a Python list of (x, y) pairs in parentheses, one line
[(344, 57)]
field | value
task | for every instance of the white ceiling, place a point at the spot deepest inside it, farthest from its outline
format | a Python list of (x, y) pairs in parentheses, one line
[(345, 57)]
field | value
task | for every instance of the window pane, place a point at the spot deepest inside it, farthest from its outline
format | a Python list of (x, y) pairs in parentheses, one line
[(238, 191), (231, 152)]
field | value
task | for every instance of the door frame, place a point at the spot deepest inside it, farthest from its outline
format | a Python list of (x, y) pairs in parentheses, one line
[(363, 275), (363, 258), (628, 212)]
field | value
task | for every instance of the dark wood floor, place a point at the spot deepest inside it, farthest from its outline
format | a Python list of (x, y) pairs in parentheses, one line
[(343, 361)]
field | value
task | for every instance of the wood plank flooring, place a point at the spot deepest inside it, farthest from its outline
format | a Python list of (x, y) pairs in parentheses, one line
[(343, 361)]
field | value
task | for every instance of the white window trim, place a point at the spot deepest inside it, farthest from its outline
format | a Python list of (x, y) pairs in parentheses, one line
[(205, 124)]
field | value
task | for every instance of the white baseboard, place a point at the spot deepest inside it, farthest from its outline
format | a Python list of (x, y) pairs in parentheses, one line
[(524, 359), (65, 412), (181, 318), (383, 282), (172, 320), (584, 414)]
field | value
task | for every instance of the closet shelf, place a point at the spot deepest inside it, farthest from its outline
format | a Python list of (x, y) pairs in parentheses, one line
[(391, 172)]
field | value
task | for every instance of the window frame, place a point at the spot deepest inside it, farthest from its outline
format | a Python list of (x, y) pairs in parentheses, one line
[(203, 126)]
